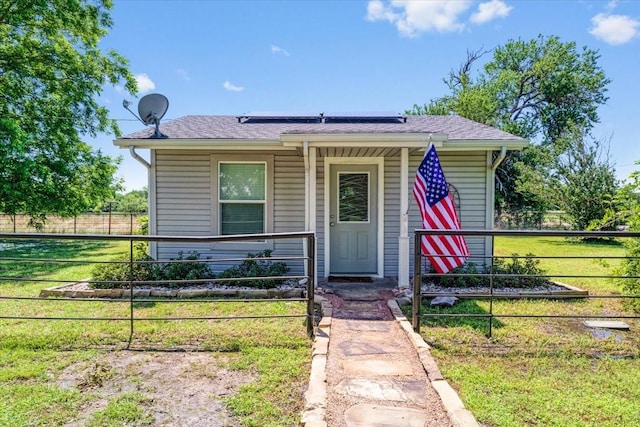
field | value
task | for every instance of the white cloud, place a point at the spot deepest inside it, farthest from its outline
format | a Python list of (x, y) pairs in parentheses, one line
[(145, 84), (231, 87), (414, 17), (614, 29), (490, 10), (278, 50), (183, 73)]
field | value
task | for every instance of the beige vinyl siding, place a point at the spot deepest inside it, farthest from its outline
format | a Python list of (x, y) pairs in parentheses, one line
[(467, 172), (185, 202), (391, 215)]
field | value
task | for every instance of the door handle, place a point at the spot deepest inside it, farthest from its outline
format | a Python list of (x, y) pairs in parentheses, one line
[(332, 224)]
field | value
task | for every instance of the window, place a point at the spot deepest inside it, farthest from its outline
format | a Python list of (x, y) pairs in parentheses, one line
[(242, 197)]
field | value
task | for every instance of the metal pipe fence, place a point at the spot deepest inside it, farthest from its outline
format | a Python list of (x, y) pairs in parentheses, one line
[(490, 276), (131, 286), (119, 223)]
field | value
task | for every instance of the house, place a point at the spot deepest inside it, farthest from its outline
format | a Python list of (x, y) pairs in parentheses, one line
[(346, 177)]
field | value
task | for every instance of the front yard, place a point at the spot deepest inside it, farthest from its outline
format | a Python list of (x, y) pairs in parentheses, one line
[(252, 372), (544, 372)]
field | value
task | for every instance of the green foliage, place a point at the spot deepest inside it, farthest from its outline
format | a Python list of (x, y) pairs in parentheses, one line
[(522, 273), (135, 201), (183, 269), (144, 225), (143, 268), (255, 267), (518, 272), (536, 89), (51, 72), (629, 213), (118, 274)]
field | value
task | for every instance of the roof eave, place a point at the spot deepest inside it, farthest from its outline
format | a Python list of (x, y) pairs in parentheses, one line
[(485, 144), (200, 144)]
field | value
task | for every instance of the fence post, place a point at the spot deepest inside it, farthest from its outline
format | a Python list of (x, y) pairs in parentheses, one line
[(130, 293), (311, 250), (491, 273), (417, 283)]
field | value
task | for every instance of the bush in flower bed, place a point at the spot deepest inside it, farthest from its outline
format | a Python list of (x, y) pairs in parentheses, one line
[(253, 266), (116, 275), (186, 271), (523, 273)]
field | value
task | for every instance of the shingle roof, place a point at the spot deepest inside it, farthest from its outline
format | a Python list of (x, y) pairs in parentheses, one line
[(228, 127)]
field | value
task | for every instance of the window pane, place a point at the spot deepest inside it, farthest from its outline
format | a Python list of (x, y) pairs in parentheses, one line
[(242, 218), (242, 181), (353, 197)]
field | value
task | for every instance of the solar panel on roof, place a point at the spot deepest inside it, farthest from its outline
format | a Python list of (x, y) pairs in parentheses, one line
[(331, 117), (364, 117), (278, 117)]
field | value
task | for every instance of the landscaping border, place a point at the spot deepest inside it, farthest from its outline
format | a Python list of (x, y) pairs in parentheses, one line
[(569, 291), (66, 292)]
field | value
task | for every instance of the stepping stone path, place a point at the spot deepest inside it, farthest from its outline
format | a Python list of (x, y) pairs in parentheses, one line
[(374, 376)]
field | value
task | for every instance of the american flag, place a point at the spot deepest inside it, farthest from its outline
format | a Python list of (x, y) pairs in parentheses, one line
[(438, 212)]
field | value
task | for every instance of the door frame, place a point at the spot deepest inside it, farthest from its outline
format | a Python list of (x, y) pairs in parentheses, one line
[(374, 161)]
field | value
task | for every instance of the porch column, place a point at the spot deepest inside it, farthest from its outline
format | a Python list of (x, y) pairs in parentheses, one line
[(403, 240), (312, 202)]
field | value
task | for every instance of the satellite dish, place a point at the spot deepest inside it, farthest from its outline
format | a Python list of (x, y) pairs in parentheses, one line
[(152, 108)]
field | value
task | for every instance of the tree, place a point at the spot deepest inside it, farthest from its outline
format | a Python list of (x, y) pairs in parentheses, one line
[(134, 201), (627, 212), (584, 183), (535, 89), (51, 71)]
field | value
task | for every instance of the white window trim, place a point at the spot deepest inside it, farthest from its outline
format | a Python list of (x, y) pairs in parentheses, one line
[(215, 199)]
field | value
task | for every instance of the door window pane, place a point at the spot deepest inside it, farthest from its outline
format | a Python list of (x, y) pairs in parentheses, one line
[(353, 197)]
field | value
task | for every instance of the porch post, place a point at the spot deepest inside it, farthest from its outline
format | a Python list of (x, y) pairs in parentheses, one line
[(312, 203), (403, 240)]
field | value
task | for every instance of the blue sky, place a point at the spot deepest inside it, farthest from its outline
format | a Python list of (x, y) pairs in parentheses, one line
[(233, 57)]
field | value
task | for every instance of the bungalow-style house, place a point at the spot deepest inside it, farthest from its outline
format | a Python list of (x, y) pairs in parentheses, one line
[(346, 177)]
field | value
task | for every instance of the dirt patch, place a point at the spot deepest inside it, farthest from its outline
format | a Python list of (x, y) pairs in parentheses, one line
[(185, 389)]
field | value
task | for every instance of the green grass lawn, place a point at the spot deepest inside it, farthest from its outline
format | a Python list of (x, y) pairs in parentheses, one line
[(544, 372), (33, 354)]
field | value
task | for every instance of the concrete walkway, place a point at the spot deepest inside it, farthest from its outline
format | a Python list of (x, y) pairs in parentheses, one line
[(370, 369)]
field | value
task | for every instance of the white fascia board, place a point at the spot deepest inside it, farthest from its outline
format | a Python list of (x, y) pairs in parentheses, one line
[(485, 144), (202, 144), (392, 140)]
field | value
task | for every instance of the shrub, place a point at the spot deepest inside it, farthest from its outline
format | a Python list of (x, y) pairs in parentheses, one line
[(143, 269), (630, 267), (116, 275), (182, 268), (525, 274), (143, 221), (252, 267)]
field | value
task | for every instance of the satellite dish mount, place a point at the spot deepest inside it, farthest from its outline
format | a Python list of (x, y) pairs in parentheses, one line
[(151, 109)]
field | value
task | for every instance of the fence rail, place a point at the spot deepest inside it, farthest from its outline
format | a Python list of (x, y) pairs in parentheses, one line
[(493, 293), (308, 247), (88, 223)]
